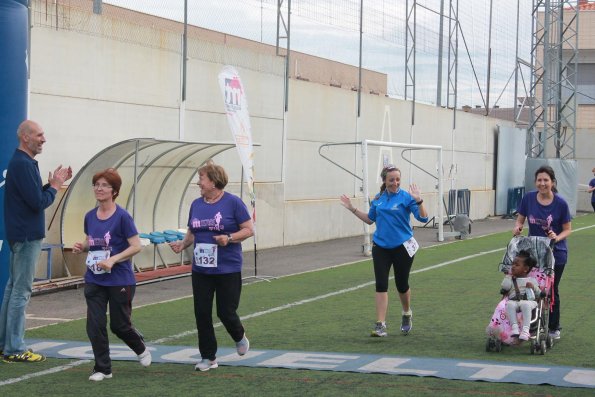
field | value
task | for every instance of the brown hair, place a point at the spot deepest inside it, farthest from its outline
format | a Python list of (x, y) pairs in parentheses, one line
[(546, 169), (385, 171), (112, 177), (215, 173)]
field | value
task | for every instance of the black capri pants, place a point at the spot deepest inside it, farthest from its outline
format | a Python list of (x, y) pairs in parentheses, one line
[(383, 259)]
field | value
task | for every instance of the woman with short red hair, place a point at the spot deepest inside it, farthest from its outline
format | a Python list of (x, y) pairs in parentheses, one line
[(111, 241)]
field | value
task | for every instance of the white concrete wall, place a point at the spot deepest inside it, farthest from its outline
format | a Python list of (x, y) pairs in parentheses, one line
[(320, 114), (90, 92)]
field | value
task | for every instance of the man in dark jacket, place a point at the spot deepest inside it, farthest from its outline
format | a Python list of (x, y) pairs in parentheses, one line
[(25, 200)]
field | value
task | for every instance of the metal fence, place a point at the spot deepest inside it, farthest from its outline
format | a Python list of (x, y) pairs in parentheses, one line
[(486, 39)]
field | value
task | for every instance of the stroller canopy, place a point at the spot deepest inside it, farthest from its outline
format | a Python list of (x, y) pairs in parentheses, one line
[(538, 247)]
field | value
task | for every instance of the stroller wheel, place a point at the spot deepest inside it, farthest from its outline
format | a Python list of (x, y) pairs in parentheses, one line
[(498, 345), (549, 342), (489, 345), (543, 347), (532, 346)]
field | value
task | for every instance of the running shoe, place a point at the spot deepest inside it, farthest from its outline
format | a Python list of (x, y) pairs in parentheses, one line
[(379, 330), (145, 358), (243, 346), (205, 364), (97, 376), (26, 357), (406, 323)]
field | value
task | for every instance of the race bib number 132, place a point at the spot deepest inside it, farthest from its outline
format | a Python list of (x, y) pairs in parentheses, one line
[(205, 255)]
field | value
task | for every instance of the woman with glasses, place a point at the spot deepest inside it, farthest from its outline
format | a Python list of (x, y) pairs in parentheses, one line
[(217, 224), (111, 241), (393, 242)]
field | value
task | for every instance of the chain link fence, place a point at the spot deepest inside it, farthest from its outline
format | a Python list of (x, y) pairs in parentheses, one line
[(486, 39)]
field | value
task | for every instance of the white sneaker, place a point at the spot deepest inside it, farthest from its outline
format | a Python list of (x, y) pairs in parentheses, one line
[(145, 358), (525, 335), (515, 330), (205, 364), (99, 376), (243, 346)]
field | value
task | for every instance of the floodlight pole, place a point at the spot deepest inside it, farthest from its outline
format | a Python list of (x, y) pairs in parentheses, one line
[(182, 115)]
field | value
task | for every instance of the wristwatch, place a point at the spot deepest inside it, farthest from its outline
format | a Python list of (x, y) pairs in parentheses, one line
[(229, 238)]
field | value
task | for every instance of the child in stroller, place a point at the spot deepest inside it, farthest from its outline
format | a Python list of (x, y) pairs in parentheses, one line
[(500, 329), (521, 291)]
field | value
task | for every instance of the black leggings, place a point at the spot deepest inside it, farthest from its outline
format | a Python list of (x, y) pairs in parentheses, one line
[(554, 320), (383, 259)]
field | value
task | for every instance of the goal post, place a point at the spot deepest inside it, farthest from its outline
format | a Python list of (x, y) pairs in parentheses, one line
[(365, 181)]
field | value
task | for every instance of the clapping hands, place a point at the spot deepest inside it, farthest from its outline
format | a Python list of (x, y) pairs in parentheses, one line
[(59, 176)]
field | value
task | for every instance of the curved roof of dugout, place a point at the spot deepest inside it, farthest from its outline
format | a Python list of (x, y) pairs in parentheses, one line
[(155, 175)]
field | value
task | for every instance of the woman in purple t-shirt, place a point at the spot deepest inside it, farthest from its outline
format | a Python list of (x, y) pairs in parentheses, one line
[(111, 240), (591, 190), (217, 224), (548, 215)]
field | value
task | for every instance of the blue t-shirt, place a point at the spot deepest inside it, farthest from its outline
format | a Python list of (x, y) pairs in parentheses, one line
[(207, 220), (592, 184), (113, 234), (392, 213), (542, 218)]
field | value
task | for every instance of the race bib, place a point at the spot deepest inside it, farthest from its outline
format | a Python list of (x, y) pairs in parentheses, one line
[(411, 246), (205, 255), (93, 258)]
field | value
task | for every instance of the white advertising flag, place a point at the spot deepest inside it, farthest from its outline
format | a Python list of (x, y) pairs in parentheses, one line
[(236, 107)]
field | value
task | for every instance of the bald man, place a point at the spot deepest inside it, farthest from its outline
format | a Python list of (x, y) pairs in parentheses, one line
[(25, 200)]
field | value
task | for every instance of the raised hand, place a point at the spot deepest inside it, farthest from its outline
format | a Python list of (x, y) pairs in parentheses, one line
[(346, 202), (415, 192)]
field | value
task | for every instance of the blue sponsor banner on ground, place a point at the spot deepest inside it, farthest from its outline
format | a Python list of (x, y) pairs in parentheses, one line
[(468, 370), (13, 100)]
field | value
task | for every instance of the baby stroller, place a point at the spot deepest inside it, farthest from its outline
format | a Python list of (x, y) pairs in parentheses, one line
[(499, 330)]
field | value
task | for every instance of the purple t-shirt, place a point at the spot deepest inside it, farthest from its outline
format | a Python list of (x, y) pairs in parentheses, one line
[(207, 220), (112, 233), (592, 184), (542, 218)]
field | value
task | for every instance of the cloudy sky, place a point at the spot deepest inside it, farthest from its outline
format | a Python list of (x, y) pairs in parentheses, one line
[(330, 28)]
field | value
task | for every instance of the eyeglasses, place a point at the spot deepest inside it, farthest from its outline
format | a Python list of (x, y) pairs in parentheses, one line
[(101, 186)]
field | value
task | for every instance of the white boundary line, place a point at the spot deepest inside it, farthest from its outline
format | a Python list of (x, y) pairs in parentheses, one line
[(298, 303), (320, 297), (45, 372)]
